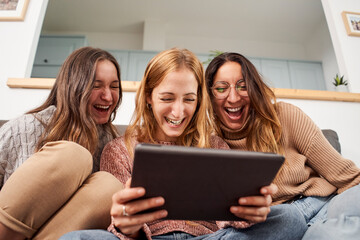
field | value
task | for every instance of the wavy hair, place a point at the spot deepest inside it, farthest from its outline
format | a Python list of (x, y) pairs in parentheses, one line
[(70, 94), (264, 129), (143, 124)]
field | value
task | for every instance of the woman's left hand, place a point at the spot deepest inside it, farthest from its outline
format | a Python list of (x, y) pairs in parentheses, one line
[(255, 208)]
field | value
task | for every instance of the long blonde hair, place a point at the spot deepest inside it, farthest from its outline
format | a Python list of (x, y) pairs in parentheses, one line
[(263, 132), (70, 94), (143, 124)]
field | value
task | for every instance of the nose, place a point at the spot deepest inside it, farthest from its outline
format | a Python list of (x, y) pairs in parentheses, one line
[(233, 95), (106, 95), (177, 109)]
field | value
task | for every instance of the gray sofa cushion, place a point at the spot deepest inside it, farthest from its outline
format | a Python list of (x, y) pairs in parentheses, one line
[(333, 138)]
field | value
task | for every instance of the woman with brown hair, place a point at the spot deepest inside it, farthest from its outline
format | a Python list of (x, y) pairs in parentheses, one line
[(315, 179), (49, 154)]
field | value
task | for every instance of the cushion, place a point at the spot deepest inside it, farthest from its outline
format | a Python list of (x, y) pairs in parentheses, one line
[(333, 138)]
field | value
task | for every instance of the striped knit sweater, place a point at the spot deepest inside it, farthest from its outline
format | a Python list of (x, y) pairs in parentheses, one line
[(18, 139), (312, 166), (116, 160)]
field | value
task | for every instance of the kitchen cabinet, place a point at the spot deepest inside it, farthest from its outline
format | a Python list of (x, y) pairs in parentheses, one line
[(52, 52)]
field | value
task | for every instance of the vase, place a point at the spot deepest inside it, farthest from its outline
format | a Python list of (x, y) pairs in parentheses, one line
[(341, 88)]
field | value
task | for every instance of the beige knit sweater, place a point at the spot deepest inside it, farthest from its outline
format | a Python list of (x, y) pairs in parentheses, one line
[(312, 166)]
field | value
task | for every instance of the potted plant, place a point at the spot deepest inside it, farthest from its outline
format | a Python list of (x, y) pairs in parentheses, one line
[(212, 55), (340, 84)]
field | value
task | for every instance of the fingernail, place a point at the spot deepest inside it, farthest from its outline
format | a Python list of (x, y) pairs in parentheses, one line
[(159, 200), (242, 200), (234, 209), (140, 191), (163, 213)]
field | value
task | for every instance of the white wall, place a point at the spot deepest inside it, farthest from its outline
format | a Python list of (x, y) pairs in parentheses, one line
[(18, 43), (346, 47), (319, 47)]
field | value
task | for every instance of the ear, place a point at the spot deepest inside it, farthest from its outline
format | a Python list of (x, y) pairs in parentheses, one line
[(148, 100)]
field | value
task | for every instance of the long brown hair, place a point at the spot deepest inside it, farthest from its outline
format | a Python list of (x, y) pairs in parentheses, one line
[(143, 124), (263, 130), (70, 94)]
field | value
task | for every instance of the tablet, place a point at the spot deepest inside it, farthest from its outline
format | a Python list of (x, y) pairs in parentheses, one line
[(201, 183)]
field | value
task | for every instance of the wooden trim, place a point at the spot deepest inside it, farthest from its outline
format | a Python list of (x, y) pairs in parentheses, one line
[(130, 86), (16, 15), (47, 83), (317, 95)]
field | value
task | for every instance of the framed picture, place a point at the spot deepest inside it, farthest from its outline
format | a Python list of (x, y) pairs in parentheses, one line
[(352, 23), (13, 10)]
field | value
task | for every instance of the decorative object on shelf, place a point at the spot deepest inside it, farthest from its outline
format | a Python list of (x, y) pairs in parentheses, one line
[(340, 84), (352, 23), (212, 55), (13, 10)]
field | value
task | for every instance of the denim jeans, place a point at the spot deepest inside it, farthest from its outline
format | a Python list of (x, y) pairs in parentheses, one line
[(339, 218), (284, 222), (332, 217)]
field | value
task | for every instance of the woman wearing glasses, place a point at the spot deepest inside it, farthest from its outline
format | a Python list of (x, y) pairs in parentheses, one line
[(314, 173)]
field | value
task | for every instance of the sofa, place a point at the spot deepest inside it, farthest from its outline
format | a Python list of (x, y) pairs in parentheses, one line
[(330, 135)]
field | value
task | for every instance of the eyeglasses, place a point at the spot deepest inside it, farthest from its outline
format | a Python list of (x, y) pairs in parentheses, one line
[(221, 90)]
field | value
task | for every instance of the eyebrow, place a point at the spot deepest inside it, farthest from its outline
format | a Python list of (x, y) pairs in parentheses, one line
[(170, 93), (99, 81)]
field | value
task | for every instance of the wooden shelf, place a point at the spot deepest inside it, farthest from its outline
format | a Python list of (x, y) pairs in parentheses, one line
[(129, 86), (47, 83)]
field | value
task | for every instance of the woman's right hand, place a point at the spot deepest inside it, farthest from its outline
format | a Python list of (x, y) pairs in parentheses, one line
[(125, 210)]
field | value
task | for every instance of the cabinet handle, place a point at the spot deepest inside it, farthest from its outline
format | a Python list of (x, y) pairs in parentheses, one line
[(45, 61)]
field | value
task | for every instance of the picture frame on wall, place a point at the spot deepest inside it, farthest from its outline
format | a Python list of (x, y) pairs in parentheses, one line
[(13, 10), (352, 23)]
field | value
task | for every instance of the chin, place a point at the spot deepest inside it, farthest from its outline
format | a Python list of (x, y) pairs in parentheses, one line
[(100, 121), (234, 126)]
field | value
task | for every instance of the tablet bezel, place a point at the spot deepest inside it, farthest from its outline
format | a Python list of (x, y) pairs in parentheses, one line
[(201, 183)]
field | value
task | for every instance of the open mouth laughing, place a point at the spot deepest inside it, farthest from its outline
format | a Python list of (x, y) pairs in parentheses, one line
[(102, 108), (174, 122), (234, 113)]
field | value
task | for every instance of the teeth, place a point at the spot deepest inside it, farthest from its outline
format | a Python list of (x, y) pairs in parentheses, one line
[(173, 121), (102, 107), (233, 109)]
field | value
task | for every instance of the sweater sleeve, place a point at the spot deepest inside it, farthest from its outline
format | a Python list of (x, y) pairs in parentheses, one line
[(18, 139), (320, 155), (115, 159), (6, 146)]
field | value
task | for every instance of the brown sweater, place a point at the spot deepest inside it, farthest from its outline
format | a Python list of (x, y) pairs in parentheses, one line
[(312, 166), (116, 160)]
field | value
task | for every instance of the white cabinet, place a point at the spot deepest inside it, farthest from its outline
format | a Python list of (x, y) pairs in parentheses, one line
[(123, 58), (306, 75), (52, 52), (133, 62), (291, 73), (137, 64)]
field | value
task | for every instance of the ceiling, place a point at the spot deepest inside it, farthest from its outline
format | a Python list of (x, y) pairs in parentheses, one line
[(270, 20)]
